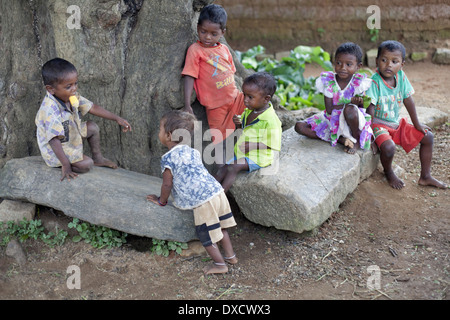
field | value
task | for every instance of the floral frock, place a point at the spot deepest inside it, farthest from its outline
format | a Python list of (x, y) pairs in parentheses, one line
[(331, 127)]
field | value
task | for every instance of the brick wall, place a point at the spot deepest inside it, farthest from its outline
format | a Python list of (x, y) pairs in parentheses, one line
[(281, 25)]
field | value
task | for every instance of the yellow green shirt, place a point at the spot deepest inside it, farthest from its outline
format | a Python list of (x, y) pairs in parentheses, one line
[(266, 128)]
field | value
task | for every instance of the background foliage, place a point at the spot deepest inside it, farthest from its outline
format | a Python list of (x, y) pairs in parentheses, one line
[(294, 90)]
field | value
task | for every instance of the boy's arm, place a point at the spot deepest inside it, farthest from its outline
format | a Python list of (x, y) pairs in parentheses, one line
[(98, 111), (247, 146), (66, 170), (166, 188), (188, 89), (411, 108), (271, 136)]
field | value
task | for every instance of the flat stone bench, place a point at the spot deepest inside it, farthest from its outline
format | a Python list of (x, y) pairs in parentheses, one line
[(310, 180), (307, 185), (114, 198)]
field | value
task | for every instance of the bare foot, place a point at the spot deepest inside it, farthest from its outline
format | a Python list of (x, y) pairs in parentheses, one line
[(432, 182), (394, 181), (231, 260), (350, 147), (215, 268), (103, 162)]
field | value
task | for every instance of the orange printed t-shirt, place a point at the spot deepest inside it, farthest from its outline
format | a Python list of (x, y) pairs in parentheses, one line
[(213, 70)]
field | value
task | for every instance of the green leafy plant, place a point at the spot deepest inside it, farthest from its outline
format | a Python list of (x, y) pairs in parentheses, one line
[(30, 229), (294, 90), (97, 236), (321, 32), (163, 247)]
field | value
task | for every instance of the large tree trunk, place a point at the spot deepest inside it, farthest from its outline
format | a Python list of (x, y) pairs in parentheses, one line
[(129, 55)]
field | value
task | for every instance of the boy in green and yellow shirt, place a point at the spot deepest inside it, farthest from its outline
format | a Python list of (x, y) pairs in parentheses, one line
[(261, 134)]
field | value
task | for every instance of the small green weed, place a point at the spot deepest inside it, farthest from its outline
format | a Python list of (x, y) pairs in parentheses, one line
[(29, 229), (97, 236), (163, 248)]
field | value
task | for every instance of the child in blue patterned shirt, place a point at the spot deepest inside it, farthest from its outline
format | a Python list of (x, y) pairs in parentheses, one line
[(193, 187)]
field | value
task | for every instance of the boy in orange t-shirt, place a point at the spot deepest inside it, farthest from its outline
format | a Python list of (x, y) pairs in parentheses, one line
[(209, 70)]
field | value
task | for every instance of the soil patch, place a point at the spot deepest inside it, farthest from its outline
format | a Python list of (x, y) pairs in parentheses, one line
[(402, 234)]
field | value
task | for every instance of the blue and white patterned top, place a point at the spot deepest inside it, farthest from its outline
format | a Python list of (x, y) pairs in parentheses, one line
[(193, 185)]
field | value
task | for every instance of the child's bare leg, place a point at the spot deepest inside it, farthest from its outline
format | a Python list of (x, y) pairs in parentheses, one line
[(219, 265), (387, 151), (231, 172), (230, 256), (219, 154), (352, 119), (221, 173), (304, 128), (426, 153), (93, 138), (83, 166)]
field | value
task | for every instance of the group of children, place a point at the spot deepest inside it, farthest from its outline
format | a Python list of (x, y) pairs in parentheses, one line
[(209, 70)]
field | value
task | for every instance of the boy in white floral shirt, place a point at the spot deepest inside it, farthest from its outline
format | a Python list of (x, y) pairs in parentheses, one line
[(193, 187)]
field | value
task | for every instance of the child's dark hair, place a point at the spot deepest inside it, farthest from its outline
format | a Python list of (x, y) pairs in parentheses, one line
[(350, 48), (53, 71), (177, 119), (392, 45), (214, 13), (264, 81)]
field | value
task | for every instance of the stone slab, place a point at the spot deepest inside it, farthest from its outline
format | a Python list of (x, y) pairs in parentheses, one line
[(11, 210), (112, 198), (307, 185), (441, 56), (309, 181)]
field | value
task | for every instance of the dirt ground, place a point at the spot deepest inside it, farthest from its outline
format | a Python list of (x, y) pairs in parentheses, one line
[(401, 233)]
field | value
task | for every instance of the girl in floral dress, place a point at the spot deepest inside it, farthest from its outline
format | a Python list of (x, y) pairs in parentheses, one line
[(344, 120)]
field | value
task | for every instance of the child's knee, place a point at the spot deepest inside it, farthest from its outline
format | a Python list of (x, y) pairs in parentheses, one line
[(351, 113), (92, 128), (388, 148), (428, 138), (232, 169), (83, 166), (300, 127)]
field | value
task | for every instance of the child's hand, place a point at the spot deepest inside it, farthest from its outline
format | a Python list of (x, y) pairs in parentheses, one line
[(237, 120), (66, 172), (423, 128), (357, 100), (124, 124), (156, 200), (188, 108), (153, 198)]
